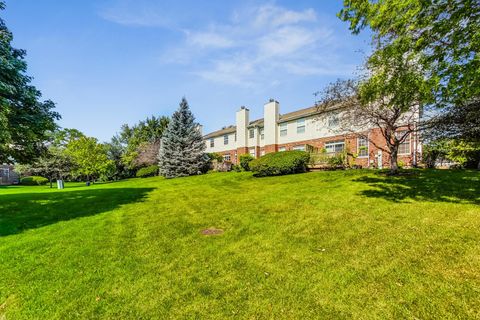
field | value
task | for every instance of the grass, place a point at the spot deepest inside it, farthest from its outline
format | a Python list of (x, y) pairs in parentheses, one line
[(344, 244)]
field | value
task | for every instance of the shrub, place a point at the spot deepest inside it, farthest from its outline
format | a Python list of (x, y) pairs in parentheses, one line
[(280, 163), (215, 156), (149, 171), (34, 181), (236, 168), (245, 160)]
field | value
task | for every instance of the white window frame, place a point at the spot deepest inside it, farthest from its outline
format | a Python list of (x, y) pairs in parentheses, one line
[(212, 142), (262, 133), (252, 152), (225, 139), (282, 149), (299, 148), (251, 133), (226, 157), (334, 144), (405, 142), (283, 129), (262, 153), (367, 151), (333, 121), (301, 126)]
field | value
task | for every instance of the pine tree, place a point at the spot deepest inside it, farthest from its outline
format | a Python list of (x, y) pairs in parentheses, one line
[(182, 149)]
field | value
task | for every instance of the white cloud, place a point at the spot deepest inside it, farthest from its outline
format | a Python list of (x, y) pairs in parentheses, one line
[(258, 45), (208, 40), (136, 13)]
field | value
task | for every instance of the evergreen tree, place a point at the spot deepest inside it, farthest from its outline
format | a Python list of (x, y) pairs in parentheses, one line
[(182, 149)]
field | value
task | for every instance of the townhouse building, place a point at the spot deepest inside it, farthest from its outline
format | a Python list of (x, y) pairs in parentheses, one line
[(305, 129)]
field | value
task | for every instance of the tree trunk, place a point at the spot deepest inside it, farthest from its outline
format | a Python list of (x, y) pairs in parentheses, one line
[(51, 183), (394, 162)]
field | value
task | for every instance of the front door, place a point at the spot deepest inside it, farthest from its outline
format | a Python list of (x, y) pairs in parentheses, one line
[(380, 159)]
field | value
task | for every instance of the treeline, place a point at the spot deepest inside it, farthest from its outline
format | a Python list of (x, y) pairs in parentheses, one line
[(68, 154)]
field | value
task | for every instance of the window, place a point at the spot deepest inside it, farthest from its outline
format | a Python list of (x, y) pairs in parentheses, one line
[(226, 157), (252, 152), (404, 147), (235, 157), (212, 142), (300, 125), (262, 153), (262, 133), (283, 129), (333, 121), (335, 146), (362, 147), (299, 148), (225, 139), (251, 133), (281, 149)]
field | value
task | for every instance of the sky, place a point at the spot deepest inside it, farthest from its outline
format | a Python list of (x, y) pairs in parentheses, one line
[(110, 62)]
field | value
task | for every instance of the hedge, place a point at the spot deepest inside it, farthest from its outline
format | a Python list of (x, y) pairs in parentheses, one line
[(280, 163), (149, 171), (245, 160), (34, 181)]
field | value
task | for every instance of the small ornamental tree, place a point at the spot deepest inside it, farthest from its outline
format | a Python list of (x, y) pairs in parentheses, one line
[(182, 149)]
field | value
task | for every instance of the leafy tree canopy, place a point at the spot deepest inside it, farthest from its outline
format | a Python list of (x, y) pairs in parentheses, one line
[(90, 157), (24, 120), (443, 36)]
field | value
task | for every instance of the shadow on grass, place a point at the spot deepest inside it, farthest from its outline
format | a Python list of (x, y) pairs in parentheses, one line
[(455, 186), (22, 211)]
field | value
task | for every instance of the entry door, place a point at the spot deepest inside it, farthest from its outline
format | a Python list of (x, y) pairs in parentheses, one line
[(380, 159)]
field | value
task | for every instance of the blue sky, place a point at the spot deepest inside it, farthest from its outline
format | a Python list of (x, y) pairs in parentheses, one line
[(109, 62)]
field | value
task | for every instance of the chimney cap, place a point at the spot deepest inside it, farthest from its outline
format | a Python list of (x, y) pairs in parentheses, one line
[(272, 100), (244, 108)]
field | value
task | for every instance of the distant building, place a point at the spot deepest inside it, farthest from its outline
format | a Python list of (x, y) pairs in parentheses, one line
[(303, 130), (8, 175)]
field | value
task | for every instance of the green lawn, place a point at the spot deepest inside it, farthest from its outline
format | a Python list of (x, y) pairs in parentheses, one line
[(344, 244)]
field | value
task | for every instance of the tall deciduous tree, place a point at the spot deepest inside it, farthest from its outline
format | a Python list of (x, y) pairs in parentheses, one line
[(142, 141), (182, 149), (90, 157), (24, 120), (443, 35)]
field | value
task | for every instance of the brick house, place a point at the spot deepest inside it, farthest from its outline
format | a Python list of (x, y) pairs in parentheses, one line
[(303, 130), (8, 175)]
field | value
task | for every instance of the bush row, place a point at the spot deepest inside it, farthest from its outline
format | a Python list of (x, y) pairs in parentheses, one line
[(34, 181), (149, 171), (280, 163)]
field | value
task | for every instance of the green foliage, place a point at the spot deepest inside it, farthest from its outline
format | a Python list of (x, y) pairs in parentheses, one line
[(337, 160), (466, 153), (245, 160), (149, 171), (24, 119), (442, 37), (141, 141), (34, 181), (280, 163), (182, 148), (90, 157), (236, 168), (215, 156)]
